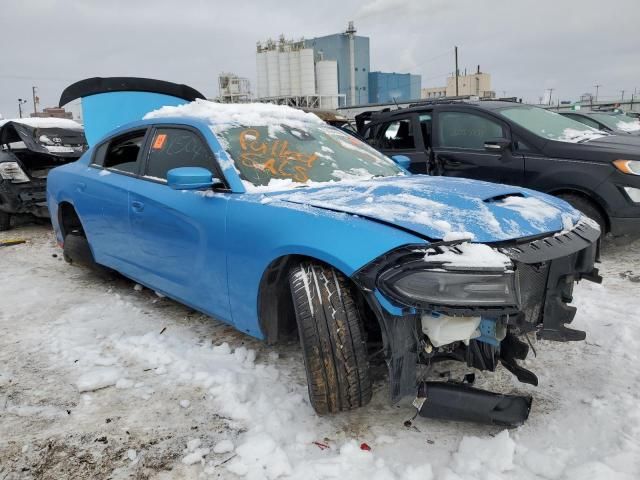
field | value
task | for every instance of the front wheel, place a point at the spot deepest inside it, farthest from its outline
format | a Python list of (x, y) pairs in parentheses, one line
[(333, 346), (588, 208)]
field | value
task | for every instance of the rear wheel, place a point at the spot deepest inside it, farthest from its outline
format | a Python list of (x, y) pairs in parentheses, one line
[(587, 207), (330, 331), (5, 221)]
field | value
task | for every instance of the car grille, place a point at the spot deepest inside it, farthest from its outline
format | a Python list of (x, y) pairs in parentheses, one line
[(533, 283)]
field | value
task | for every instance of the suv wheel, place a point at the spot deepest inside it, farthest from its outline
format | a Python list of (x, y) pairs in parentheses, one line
[(587, 207), (5, 221), (333, 346)]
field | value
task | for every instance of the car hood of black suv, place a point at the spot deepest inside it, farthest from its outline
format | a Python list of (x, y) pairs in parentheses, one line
[(602, 149)]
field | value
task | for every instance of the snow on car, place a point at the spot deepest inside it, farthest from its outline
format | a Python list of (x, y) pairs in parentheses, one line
[(351, 267)]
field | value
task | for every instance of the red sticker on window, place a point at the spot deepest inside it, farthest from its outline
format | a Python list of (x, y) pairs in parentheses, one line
[(159, 142)]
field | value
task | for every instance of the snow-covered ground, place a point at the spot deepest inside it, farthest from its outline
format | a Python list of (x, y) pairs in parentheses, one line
[(100, 378)]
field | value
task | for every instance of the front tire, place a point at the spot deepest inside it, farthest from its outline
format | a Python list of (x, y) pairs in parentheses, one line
[(333, 346), (587, 207)]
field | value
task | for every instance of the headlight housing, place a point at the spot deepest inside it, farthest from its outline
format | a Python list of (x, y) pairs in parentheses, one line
[(12, 171), (425, 286), (631, 167)]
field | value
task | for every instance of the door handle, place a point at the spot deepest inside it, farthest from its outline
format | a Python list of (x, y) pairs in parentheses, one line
[(137, 206)]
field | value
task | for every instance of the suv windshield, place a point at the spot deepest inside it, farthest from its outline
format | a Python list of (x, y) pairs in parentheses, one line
[(550, 125), (315, 153), (617, 121)]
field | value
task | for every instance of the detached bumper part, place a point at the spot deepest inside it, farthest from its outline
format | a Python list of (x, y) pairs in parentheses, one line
[(450, 401)]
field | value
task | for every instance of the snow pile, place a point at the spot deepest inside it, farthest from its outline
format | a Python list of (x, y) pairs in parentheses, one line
[(573, 135), (629, 126), (78, 326), (533, 209), (238, 114), (48, 123), (469, 255)]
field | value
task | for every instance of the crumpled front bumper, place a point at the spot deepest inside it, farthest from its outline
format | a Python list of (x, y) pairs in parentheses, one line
[(29, 197), (547, 269)]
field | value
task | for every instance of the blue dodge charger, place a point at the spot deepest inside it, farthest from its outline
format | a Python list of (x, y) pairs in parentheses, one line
[(266, 218)]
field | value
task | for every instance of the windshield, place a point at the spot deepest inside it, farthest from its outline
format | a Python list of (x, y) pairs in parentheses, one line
[(551, 125), (313, 153), (617, 121)]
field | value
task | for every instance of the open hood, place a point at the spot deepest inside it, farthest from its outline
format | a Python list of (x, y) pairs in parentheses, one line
[(50, 136), (444, 207), (108, 103)]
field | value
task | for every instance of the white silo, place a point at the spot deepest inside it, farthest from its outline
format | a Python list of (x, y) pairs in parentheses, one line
[(283, 66), (263, 82), (307, 72), (273, 74), (327, 82), (294, 72)]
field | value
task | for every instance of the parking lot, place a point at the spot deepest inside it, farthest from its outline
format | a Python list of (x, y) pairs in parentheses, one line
[(100, 378)]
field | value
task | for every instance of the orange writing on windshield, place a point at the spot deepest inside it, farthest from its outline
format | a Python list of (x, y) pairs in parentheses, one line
[(159, 141), (274, 156)]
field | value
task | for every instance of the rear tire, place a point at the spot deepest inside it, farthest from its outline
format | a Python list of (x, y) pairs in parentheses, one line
[(5, 221), (587, 207), (333, 346), (76, 250)]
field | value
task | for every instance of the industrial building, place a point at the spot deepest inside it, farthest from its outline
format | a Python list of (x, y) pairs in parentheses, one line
[(290, 73), (351, 53), (233, 89), (393, 87), (478, 83), (323, 72), (327, 72)]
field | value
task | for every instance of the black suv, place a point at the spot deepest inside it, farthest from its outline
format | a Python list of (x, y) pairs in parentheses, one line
[(517, 144)]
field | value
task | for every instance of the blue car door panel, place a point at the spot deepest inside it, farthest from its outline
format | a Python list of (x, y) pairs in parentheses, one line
[(109, 180), (178, 236)]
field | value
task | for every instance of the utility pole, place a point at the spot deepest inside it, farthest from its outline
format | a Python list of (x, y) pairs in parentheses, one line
[(622, 97), (35, 99), (550, 94), (457, 71), (597, 88), (20, 103)]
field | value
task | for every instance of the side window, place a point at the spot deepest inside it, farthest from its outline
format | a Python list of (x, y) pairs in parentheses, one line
[(123, 152), (99, 154), (425, 128), (397, 135), (467, 130), (175, 147)]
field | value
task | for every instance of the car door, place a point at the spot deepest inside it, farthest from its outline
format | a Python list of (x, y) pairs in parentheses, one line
[(472, 144), (103, 197), (401, 135), (179, 236)]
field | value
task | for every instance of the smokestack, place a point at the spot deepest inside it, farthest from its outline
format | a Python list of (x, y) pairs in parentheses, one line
[(351, 30), (478, 68)]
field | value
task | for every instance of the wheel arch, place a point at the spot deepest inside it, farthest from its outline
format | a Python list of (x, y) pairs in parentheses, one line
[(68, 218), (590, 197), (276, 315)]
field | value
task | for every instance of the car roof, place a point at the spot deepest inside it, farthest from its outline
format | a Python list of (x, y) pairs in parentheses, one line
[(420, 107)]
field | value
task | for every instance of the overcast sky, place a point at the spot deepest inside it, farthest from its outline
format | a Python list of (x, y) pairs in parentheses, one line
[(526, 45)]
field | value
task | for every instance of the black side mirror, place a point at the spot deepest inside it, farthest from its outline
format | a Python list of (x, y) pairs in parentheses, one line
[(496, 144)]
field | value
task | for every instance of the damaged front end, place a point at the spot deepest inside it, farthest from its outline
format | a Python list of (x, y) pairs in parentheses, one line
[(476, 304), (27, 154)]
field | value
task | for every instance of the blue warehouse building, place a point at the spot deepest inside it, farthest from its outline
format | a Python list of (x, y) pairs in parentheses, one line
[(387, 87), (336, 47)]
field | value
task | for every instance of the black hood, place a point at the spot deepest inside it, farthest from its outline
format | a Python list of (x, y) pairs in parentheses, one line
[(603, 149)]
